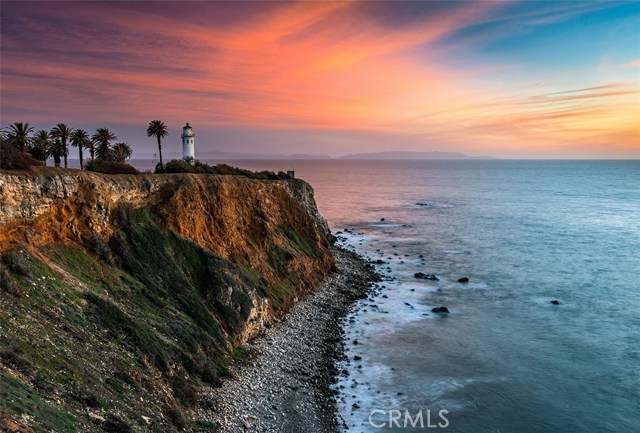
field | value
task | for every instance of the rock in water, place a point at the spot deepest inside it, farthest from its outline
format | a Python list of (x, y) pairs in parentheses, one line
[(426, 276), (555, 302), (440, 310), (463, 280), (381, 219)]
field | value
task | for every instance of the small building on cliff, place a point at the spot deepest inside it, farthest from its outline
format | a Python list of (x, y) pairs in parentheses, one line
[(188, 143)]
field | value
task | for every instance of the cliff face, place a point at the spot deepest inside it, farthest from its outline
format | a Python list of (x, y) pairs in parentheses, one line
[(131, 289)]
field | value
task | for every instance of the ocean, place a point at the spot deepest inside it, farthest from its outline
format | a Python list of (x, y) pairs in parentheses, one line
[(505, 359)]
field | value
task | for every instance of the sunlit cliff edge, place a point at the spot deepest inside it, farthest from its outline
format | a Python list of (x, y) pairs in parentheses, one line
[(121, 296)]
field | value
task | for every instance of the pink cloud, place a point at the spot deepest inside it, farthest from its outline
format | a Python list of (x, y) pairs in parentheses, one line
[(322, 66)]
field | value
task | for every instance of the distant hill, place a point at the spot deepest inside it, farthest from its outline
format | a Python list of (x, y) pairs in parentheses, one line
[(412, 155), (234, 156)]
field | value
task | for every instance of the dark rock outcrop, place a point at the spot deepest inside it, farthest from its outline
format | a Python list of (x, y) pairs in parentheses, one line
[(424, 276)]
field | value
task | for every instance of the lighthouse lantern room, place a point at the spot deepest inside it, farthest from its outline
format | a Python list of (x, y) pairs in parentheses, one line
[(188, 143)]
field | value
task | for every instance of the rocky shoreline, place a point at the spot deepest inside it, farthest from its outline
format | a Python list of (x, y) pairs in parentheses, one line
[(284, 382)]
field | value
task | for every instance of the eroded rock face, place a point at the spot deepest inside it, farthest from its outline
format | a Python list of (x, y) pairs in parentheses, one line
[(271, 227)]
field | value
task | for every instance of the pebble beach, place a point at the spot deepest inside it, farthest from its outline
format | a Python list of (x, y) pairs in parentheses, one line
[(284, 382)]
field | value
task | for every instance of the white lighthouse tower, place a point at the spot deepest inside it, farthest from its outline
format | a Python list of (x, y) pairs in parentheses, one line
[(188, 143)]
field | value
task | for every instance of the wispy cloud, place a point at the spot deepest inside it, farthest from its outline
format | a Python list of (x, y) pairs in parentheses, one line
[(333, 66)]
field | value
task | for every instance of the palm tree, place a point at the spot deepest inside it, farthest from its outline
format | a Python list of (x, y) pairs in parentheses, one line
[(18, 135), (158, 129), (41, 145), (57, 150), (92, 149), (102, 138), (121, 152), (62, 132), (80, 139)]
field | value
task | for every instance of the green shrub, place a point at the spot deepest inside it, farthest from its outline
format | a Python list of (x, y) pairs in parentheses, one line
[(123, 215), (87, 398), (17, 263), (72, 316), (177, 417), (7, 283), (97, 246), (15, 356), (301, 243), (181, 166), (279, 257), (110, 167), (239, 352), (206, 426), (113, 424), (184, 390), (11, 158), (280, 292)]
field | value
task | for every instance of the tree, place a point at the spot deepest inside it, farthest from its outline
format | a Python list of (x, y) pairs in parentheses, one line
[(158, 129), (41, 146), (57, 150), (80, 139), (102, 138), (121, 152), (62, 132), (92, 149), (18, 135), (12, 159)]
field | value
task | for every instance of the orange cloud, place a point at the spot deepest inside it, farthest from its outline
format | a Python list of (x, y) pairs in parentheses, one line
[(320, 65)]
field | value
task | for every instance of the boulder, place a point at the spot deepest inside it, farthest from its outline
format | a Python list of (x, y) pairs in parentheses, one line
[(426, 276), (440, 310), (555, 302), (463, 280)]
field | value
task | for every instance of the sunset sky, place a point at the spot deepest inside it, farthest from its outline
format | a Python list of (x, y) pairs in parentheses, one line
[(510, 79)]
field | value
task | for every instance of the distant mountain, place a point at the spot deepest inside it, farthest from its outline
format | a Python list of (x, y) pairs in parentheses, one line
[(412, 155), (233, 156)]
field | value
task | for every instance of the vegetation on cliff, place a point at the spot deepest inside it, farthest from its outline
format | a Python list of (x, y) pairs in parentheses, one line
[(117, 312), (17, 141), (182, 166)]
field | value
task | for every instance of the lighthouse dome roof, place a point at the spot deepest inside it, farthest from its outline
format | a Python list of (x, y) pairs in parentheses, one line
[(187, 130)]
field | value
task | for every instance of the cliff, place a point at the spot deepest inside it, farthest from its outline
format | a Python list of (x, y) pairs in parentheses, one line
[(122, 296)]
